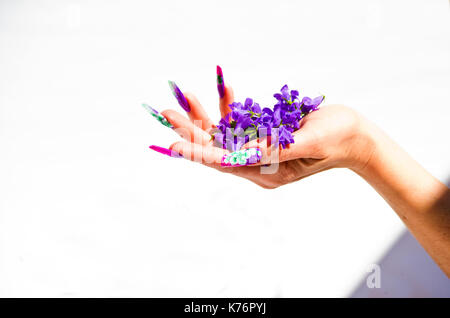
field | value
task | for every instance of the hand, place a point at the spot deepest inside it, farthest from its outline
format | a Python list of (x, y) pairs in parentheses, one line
[(332, 136)]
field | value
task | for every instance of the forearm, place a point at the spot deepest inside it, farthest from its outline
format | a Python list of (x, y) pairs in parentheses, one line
[(420, 200)]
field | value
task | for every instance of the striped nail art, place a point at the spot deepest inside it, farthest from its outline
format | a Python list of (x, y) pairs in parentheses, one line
[(179, 96), (220, 82), (159, 117), (242, 157), (166, 151)]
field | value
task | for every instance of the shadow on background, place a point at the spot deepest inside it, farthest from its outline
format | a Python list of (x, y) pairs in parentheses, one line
[(407, 271)]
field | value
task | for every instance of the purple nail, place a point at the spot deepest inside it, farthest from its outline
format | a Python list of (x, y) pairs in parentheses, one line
[(179, 96), (167, 152), (220, 82)]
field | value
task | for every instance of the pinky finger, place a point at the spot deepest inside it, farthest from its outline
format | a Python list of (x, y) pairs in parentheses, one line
[(207, 155)]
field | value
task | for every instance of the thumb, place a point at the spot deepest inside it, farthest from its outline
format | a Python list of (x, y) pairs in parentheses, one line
[(305, 145)]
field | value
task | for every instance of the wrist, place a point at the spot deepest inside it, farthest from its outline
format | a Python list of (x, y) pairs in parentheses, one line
[(364, 146)]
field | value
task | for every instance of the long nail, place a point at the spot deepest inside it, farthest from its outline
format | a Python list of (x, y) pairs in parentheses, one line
[(220, 82), (159, 117), (179, 96), (167, 152), (242, 157)]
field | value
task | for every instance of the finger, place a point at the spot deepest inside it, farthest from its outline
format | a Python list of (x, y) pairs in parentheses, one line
[(186, 129), (226, 100), (207, 155), (211, 157), (197, 114), (305, 146)]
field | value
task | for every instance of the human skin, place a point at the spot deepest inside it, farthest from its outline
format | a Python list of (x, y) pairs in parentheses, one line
[(334, 136)]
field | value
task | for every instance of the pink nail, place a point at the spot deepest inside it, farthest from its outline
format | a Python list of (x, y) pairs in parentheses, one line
[(167, 152), (220, 83)]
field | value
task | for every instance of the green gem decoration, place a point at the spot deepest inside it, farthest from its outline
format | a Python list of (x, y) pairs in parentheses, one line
[(241, 157), (157, 115)]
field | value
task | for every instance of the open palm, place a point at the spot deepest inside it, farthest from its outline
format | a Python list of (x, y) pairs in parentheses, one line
[(326, 139)]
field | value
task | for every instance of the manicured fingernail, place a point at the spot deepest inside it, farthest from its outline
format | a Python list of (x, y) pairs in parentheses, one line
[(179, 96), (159, 117), (167, 152), (242, 157), (220, 82)]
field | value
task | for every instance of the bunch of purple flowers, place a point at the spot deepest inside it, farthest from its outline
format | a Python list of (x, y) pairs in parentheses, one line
[(248, 121)]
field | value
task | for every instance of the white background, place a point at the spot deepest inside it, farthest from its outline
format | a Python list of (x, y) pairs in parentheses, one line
[(86, 209)]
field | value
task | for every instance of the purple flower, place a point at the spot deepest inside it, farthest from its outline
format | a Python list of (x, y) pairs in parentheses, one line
[(285, 136), (309, 105), (285, 95), (248, 121)]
